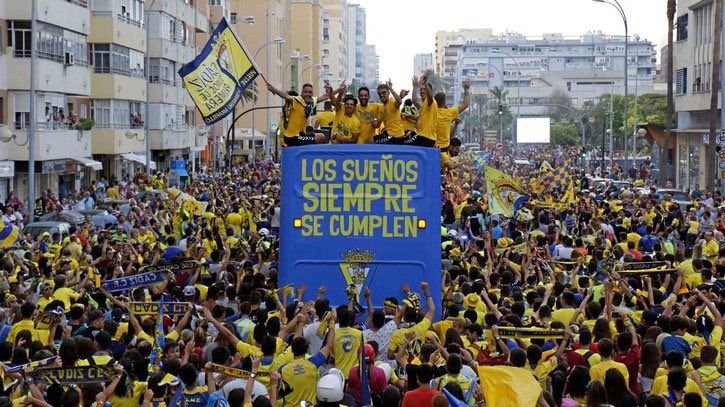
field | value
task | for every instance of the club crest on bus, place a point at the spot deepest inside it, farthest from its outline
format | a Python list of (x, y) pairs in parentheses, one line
[(355, 269)]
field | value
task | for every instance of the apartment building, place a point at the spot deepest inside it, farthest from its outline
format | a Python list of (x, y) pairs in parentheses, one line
[(63, 89), (307, 40), (443, 39), (421, 62), (272, 21), (532, 69), (334, 41), (692, 56)]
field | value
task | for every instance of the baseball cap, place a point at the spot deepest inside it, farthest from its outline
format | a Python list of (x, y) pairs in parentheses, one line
[(189, 291), (264, 232), (369, 352)]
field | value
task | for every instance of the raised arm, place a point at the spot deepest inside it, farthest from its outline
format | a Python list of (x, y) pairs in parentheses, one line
[(425, 89), (466, 96), (337, 101), (327, 95), (429, 302), (415, 91), (284, 95)]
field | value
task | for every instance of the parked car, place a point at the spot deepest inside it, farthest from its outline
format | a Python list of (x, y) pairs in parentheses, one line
[(100, 217), (681, 198), (72, 217), (109, 204), (37, 228)]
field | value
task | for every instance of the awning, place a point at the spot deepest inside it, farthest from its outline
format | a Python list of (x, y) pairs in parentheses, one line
[(138, 158), (92, 164), (182, 172)]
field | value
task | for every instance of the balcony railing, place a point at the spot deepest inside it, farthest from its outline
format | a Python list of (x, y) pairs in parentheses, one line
[(82, 3), (46, 126), (134, 73), (700, 87), (118, 126), (128, 20), (26, 53)]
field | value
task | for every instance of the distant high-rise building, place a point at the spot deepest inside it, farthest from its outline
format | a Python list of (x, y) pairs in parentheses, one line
[(371, 74), (307, 39), (445, 38), (356, 42), (421, 62), (334, 40)]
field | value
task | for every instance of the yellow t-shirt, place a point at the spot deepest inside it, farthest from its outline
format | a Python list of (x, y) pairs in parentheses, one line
[(710, 249), (420, 329), (694, 227), (366, 115), (298, 113), (348, 128), (543, 369), (598, 371), (302, 376), (563, 315), (347, 349), (325, 118), (65, 294), (391, 119), (659, 386), (443, 125), (132, 398), (428, 120)]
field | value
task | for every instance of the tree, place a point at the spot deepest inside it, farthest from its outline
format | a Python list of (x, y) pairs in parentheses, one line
[(438, 84), (501, 110), (565, 134), (664, 152), (711, 161)]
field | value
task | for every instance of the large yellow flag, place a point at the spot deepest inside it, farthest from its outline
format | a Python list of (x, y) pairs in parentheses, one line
[(217, 77), (504, 193), (508, 386)]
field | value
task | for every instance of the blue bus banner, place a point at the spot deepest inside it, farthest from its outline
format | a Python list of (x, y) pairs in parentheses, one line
[(358, 216)]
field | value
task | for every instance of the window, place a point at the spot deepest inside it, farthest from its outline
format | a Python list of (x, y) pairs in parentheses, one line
[(162, 71), (101, 113), (681, 25), (233, 18), (121, 114), (117, 59), (681, 81), (53, 42)]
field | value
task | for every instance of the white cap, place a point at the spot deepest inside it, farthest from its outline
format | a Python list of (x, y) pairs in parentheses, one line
[(453, 233), (264, 232), (330, 387), (189, 291)]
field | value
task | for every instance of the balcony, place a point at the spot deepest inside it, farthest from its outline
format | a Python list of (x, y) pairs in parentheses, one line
[(53, 141), (173, 138), (53, 76), (54, 12), (701, 87), (112, 139), (108, 83), (120, 29)]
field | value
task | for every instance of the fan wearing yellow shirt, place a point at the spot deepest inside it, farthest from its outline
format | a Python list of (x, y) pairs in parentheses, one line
[(368, 114), (427, 117), (390, 113), (346, 128), (409, 325), (710, 247), (446, 115), (606, 351), (325, 117), (301, 108)]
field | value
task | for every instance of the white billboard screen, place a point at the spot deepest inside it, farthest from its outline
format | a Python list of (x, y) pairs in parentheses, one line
[(533, 130)]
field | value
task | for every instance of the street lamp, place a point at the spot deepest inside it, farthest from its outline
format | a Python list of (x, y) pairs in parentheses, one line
[(292, 59), (6, 136), (615, 4), (277, 41), (503, 86), (299, 74), (518, 93)]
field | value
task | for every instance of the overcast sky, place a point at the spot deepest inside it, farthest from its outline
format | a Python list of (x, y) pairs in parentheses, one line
[(401, 28)]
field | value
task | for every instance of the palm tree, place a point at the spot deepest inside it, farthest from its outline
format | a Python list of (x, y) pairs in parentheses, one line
[(711, 162), (664, 152)]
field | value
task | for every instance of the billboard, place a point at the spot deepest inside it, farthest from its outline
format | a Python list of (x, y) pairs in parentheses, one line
[(361, 216), (533, 130)]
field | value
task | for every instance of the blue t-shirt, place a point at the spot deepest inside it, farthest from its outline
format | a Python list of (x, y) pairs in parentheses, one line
[(196, 397)]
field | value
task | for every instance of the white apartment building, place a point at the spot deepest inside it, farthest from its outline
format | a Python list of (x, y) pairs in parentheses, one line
[(334, 40), (692, 55), (63, 88), (532, 69), (421, 62), (458, 37)]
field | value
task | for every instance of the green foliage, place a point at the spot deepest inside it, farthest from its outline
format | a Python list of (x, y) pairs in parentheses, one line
[(565, 134), (86, 124)]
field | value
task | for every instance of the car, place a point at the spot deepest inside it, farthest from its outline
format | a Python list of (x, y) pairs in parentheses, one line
[(100, 217), (38, 228), (150, 194), (109, 205), (681, 198), (72, 217)]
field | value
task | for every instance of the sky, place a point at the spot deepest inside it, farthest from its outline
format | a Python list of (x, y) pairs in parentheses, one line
[(399, 29)]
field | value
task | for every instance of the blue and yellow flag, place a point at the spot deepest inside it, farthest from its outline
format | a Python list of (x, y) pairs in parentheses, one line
[(217, 77), (504, 193), (556, 179), (8, 234)]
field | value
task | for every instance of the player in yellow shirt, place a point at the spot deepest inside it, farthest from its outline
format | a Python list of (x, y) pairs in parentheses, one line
[(390, 113), (347, 343), (346, 128), (446, 115), (301, 108), (325, 117), (368, 114), (427, 118)]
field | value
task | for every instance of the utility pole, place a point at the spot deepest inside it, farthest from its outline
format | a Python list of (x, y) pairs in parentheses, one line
[(33, 113), (711, 160)]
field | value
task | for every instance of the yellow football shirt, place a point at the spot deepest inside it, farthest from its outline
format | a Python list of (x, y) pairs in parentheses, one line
[(366, 115), (428, 120), (443, 125), (348, 128)]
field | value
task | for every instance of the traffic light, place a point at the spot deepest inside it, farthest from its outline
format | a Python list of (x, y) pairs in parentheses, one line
[(500, 109)]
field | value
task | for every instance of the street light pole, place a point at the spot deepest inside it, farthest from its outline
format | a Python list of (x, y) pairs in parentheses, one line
[(503, 87), (33, 121), (292, 59), (277, 41), (299, 75), (518, 96), (615, 4)]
